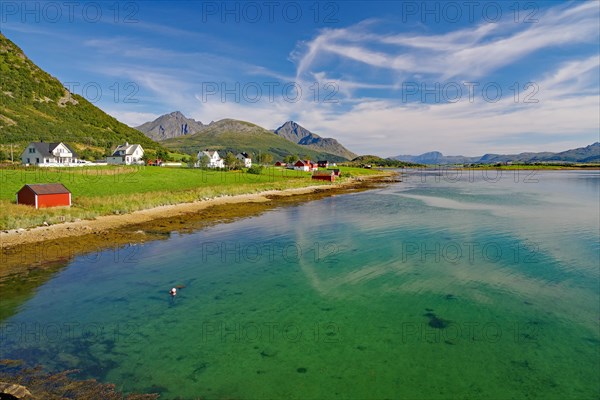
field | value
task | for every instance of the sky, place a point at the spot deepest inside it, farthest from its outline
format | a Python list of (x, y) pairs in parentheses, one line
[(384, 78)]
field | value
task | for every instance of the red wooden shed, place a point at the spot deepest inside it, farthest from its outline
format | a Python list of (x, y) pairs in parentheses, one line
[(324, 175), (44, 195)]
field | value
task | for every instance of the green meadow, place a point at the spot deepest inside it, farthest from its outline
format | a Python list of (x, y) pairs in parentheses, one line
[(123, 189)]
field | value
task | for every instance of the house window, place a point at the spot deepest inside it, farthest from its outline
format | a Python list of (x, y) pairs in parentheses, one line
[(28, 161), (37, 160), (31, 150)]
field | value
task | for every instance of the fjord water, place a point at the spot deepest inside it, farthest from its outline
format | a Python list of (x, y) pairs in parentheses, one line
[(480, 285)]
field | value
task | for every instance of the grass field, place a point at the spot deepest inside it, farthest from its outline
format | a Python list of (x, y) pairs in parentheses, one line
[(122, 189)]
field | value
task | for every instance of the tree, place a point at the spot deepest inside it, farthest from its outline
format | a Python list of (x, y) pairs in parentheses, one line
[(3, 155), (267, 158), (231, 161), (203, 161), (290, 159), (264, 158), (162, 154)]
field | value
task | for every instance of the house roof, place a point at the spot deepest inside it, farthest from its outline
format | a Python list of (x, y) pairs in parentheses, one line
[(324, 173), (209, 153), (245, 155), (46, 149), (126, 149), (47, 188)]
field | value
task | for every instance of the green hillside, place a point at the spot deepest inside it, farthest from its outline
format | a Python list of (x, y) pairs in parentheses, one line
[(236, 136), (381, 162), (35, 106)]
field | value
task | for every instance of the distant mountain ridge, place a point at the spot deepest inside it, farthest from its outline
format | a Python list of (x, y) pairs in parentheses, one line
[(586, 154), (237, 136), (176, 125), (169, 126), (296, 133)]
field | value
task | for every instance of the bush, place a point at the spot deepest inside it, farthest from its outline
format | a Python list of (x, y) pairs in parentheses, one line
[(255, 169)]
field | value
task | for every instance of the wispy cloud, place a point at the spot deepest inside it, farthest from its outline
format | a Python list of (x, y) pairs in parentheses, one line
[(473, 52)]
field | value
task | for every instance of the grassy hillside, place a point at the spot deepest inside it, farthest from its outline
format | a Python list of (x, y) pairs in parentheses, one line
[(235, 136), (35, 106), (376, 161)]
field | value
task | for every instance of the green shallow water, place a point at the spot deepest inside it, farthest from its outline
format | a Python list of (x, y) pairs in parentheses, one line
[(434, 288)]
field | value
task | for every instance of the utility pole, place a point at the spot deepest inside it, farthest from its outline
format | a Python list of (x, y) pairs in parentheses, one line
[(11, 153)]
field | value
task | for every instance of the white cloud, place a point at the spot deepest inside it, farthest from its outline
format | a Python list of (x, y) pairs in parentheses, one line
[(473, 52)]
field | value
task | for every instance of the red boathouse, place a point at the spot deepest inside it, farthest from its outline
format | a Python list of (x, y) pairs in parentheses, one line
[(44, 195), (324, 175)]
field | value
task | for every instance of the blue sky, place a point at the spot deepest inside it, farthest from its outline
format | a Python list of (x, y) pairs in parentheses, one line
[(384, 78)]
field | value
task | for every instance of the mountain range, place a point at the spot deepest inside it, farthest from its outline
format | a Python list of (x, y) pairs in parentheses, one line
[(586, 154), (236, 136), (175, 125), (35, 106)]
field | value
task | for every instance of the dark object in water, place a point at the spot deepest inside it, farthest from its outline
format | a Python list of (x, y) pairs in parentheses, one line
[(301, 370), (450, 297), (429, 309), (435, 321), (180, 287), (268, 353)]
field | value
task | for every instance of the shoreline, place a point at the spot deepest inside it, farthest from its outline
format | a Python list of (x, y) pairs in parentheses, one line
[(42, 247), (21, 236)]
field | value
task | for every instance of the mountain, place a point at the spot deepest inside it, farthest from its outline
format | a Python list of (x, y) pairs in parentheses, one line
[(435, 157), (586, 154), (35, 106), (302, 136), (236, 136), (169, 126)]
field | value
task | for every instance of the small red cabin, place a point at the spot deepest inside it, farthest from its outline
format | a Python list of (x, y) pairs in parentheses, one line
[(324, 176), (44, 195)]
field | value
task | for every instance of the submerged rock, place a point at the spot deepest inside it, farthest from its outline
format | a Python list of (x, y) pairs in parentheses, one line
[(14, 391), (435, 321)]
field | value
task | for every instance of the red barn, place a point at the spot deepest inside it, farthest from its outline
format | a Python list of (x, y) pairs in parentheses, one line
[(44, 195)]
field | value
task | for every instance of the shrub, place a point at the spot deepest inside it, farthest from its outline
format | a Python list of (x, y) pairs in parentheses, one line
[(255, 169)]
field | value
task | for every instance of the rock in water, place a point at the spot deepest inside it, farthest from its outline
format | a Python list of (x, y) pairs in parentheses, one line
[(14, 390)]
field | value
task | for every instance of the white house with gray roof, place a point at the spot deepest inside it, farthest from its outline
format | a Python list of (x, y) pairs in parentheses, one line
[(245, 159), (42, 153), (127, 154), (214, 160)]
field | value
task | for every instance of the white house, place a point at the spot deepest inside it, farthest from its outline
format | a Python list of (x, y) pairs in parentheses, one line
[(214, 160), (305, 165), (245, 158), (41, 153), (126, 154)]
